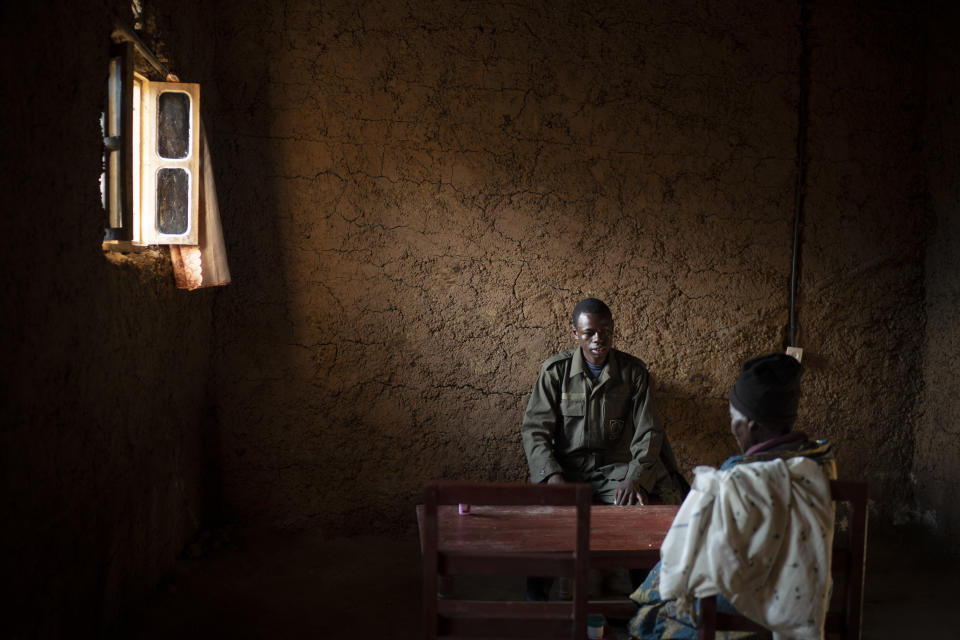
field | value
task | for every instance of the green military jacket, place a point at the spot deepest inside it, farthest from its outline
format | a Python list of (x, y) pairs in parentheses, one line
[(580, 427)]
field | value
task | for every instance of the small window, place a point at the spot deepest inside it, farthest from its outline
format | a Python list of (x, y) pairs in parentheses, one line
[(173, 125), (150, 183)]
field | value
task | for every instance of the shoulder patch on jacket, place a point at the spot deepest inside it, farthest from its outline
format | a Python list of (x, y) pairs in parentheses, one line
[(560, 357)]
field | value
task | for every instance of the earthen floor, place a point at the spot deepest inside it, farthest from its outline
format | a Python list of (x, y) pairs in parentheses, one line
[(283, 585)]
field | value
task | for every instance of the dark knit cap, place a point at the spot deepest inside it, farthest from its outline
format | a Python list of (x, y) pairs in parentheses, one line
[(768, 388)]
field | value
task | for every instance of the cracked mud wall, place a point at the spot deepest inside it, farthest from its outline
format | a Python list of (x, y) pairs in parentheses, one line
[(862, 316), (935, 471), (414, 196), (417, 193), (106, 365)]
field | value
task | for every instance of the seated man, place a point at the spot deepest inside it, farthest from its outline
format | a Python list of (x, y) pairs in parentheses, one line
[(590, 418), (764, 521)]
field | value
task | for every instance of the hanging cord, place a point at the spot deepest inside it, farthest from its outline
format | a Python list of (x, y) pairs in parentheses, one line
[(801, 161)]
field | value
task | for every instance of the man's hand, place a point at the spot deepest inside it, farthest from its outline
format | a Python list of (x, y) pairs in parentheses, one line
[(628, 493), (556, 478)]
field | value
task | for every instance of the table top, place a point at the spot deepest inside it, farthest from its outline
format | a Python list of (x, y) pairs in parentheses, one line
[(618, 534)]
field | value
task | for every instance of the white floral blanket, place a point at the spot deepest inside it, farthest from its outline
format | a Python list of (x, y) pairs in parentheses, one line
[(759, 533)]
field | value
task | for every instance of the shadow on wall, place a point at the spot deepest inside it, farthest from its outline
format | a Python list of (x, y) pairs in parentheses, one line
[(251, 317), (695, 424)]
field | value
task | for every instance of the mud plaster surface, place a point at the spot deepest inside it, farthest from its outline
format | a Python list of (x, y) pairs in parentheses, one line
[(419, 193), (414, 196), (104, 392), (936, 472)]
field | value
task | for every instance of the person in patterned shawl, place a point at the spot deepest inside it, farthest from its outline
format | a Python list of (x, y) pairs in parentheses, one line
[(763, 410)]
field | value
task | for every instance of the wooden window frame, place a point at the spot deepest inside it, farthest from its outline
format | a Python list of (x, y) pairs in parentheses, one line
[(131, 159)]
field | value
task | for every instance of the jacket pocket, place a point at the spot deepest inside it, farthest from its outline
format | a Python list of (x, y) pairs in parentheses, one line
[(572, 406)]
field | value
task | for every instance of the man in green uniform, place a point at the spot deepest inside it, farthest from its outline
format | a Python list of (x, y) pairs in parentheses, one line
[(591, 419)]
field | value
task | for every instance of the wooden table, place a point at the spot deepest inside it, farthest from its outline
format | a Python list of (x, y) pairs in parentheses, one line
[(627, 537), (620, 537)]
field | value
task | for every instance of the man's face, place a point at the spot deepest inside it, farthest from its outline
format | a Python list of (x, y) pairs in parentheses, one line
[(594, 332), (740, 428)]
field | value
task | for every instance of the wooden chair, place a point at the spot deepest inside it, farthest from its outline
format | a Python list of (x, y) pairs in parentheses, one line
[(451, 618), (847, 569)]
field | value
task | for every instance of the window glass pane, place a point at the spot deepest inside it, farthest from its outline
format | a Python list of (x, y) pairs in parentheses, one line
[(135, 164), (113, 196), (114, 97), (173, 124), (173, 200)]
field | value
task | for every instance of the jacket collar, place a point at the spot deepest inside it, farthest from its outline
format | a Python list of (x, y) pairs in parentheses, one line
[(610, 372)]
